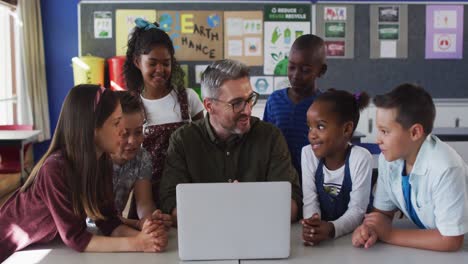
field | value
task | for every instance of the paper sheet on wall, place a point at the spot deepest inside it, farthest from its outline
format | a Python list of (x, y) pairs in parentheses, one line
[(283, 24), (388, 29), (262, 84), (281, 82), (243, 37), (335, 24), (444, 31), (388, 49), (197, 35), (102, 24), (125, 22), (199, 69)]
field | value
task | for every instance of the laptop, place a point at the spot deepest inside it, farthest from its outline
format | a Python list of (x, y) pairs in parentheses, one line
[(219, 221)]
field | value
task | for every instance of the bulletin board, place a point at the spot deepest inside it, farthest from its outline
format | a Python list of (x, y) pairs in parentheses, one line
[(443, 78)]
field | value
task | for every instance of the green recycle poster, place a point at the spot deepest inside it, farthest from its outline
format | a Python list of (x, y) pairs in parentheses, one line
[(283, 24)]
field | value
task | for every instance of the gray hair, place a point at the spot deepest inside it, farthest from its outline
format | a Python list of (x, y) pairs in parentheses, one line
[(218, 72)]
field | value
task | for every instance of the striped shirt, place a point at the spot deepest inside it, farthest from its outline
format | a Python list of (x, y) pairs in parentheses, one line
[(291, 119)]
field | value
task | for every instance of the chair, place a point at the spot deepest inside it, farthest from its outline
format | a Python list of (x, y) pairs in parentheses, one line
[(10, 159)]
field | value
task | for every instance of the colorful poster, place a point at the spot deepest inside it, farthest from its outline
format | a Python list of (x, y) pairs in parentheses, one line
[(444, 32), (102, 24), (335, 48), (124, 24), (335, 24), (243, 33), (388, 31), (283, 24), (335, 29), (262, 84), (197, 35)]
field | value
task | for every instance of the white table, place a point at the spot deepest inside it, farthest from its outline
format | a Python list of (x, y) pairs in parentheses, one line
[(341, 251), (57, 253), (338, 251), (19, 138)]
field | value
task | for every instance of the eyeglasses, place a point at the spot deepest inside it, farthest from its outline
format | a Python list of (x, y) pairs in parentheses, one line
[(239, 105)]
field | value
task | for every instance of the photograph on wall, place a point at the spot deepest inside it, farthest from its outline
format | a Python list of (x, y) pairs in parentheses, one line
[(389, 14), (262, 84), (124, 24), (283, 24), (388, 31), (197, 35), (102, 24), (335, 29), (444, 32), (335, 48), (243, 37)]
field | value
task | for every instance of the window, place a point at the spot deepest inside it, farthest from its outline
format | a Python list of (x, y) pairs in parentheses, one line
[(8, 64)]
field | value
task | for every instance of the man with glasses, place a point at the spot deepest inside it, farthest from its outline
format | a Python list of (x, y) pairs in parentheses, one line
[(228, 145)]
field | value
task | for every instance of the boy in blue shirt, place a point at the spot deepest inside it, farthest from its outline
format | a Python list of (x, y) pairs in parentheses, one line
[(287, 108), (418, 174)]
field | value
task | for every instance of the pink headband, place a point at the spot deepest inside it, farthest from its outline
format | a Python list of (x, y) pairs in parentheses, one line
[(99, 92)]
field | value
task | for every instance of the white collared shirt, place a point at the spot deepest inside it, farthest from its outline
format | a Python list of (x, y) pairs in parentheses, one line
[(439, 187)]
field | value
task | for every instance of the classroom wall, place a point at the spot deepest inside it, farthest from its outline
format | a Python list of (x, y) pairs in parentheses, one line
[(60, 27)]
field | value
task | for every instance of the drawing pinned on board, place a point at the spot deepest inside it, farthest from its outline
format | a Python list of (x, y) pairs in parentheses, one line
[(213, 20), (234, 48), (275, 35), (445, 19), (252, 47), (252, 26), (445, 42), (234, 26)]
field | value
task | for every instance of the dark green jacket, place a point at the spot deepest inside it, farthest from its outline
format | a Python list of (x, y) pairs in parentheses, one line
[(195, 155)]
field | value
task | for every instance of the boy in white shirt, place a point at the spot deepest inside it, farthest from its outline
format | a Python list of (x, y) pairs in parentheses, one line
[(418, 174)]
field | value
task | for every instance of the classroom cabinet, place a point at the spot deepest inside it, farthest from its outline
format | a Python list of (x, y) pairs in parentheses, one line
[(449, 113), (453, 114)]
